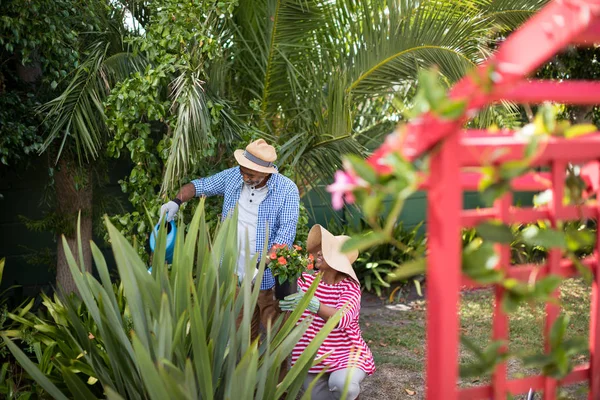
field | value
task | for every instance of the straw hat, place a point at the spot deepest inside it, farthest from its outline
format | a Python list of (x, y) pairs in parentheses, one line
[(259, 156), (330, 246)]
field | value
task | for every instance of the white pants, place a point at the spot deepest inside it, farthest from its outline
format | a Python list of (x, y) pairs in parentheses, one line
[(331, 386)]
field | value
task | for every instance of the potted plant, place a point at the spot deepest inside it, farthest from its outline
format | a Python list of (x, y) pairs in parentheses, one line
[(287, 264)]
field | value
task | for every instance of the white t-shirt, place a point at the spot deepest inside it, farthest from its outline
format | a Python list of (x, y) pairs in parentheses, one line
[(250, 199)]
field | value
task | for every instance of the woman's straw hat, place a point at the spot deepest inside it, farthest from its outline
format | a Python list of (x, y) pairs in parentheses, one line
[(330, 246)]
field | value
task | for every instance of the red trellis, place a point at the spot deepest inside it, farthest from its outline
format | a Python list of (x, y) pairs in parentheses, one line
[(559, 24)]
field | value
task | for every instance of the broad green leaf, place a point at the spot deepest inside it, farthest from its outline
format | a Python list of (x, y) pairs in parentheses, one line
[(33, 370), (452, 109), (362, 168), (479, 258), (152, 380), (76, 386), (407, 270), (580, 130), (364, 241), (578, 239), (546, 286), (548, 238), (494, 191), (512, 169), (557, 332), (495, 232), (586, 273)]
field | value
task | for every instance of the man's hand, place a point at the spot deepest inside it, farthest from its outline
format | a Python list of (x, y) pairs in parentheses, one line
[(291, 302), (170, 209)]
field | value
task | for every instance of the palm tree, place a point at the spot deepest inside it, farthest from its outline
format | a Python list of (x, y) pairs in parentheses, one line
[(330, 77), (319, 77), (78, 131)]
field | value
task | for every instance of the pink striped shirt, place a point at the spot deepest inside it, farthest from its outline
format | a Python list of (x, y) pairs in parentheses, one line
[(345, 343)]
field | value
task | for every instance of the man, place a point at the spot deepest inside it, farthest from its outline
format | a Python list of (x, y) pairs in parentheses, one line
[(265, 198)]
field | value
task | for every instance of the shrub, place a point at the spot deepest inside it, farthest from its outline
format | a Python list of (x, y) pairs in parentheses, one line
[(375, 263), (169, 334)]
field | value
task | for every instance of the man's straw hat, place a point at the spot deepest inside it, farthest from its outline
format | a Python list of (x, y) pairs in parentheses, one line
[(330, 246), (259, 156)]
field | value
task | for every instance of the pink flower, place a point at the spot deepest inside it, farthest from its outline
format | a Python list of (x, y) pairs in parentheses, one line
[(341, 190)]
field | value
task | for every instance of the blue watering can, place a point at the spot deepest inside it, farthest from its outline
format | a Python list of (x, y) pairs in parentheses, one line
[(171, 234)]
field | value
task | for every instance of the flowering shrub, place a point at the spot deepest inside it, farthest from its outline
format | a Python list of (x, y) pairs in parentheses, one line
[(287, 264), (390, 171)]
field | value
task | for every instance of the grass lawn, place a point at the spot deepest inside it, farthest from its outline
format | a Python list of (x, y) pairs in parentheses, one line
[(397, 339)]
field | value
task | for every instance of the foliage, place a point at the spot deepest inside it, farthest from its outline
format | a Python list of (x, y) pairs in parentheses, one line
[(50, 41), (169, 334), (18, 127), (363, 181), (556, 363), (375, 266), (288, 264)]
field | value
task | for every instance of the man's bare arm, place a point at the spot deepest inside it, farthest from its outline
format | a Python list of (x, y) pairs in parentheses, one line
[(187, 192)]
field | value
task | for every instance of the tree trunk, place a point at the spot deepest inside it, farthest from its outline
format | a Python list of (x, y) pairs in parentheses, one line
[(73, 194)]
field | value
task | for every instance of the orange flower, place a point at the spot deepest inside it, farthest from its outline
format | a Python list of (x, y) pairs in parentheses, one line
[(272, 256), (310, 266), (311, 258), (282, 260), (297, 247)]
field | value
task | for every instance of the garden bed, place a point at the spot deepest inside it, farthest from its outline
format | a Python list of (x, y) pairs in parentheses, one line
[(397, 339)]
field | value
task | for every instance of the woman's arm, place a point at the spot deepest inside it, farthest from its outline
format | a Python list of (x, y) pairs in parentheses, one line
[(326, 312)]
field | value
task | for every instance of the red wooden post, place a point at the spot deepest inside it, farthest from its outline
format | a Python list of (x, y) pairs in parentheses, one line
[(500, 322), (594, 375), (553, 263), (560, 23), (444, 202)]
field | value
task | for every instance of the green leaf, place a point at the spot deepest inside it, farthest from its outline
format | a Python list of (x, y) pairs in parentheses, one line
[(532, 146), (546, 286), (510, 302), (452, 109), (548, 238), (580, 130), (431, 88), (512, 169), (362, 168), (364, 241), (479, 258), (372, 205), (578, 239), (585, 272), (407, 270), (152, 380), (557, 332), (2, 262), (33, 370), (494, 192), (495, 231), (76, 386), (536, 360)]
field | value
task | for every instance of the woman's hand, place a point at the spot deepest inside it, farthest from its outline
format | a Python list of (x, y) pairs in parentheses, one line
[(291, 302)]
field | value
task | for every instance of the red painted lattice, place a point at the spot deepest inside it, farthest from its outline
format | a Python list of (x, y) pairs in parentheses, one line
[(559, 24)]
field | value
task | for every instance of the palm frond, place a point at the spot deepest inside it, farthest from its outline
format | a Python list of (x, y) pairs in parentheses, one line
[(77, 114), (387, 41), (275, 36), (507, 15), (193, 125)]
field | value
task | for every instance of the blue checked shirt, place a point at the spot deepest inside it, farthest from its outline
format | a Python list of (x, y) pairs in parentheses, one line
[(279, 209)]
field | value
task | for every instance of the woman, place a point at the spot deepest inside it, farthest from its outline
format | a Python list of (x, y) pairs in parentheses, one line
[(349, 356)]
